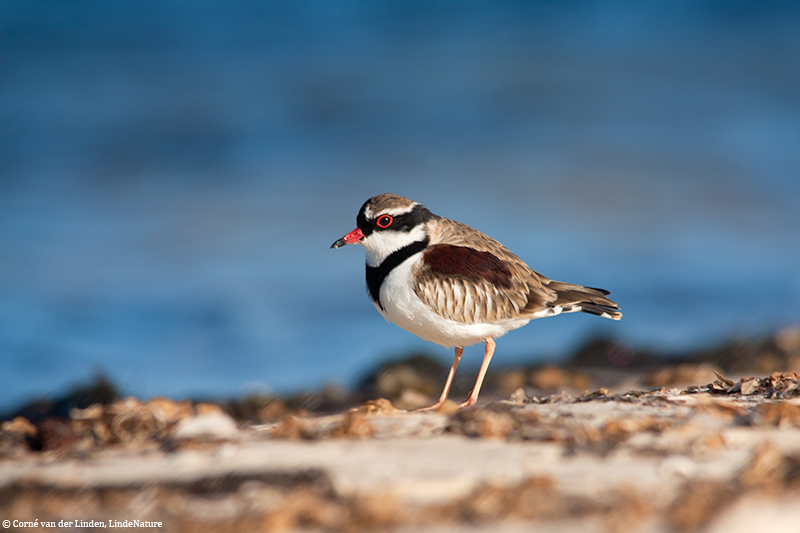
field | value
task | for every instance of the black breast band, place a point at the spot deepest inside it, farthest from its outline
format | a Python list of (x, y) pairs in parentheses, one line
[(376, 275)]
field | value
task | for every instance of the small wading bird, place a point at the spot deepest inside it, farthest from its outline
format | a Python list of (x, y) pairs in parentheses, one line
[(450, 284)]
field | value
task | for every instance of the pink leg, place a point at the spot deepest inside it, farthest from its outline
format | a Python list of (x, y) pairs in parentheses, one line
[(487, 357), (448, 383)]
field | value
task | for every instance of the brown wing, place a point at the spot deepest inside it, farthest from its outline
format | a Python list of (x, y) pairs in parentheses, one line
[(469, 277)]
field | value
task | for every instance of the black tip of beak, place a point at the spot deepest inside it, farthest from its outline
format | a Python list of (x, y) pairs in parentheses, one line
[(338, 244)]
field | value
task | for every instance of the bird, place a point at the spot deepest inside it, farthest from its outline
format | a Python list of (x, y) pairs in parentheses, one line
[(454, 286)]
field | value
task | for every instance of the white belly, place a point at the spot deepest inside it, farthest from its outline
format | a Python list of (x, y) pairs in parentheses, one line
[(404, 308)]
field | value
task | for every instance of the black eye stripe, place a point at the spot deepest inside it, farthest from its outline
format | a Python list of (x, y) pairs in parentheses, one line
[(408, 221), (405, 222)]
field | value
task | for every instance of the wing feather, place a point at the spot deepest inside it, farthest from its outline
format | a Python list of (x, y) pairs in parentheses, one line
[(475, 286), (467, 276)]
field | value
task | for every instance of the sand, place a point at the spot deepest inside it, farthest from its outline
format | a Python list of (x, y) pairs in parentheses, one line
[(708, 458)]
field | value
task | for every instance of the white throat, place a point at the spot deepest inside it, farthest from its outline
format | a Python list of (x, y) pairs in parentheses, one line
[(381, 244)]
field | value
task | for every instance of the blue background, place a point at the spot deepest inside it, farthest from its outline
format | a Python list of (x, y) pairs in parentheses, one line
[(173, 173)]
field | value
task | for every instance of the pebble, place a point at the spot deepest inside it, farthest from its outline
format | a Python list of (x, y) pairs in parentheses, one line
[(207, 426)]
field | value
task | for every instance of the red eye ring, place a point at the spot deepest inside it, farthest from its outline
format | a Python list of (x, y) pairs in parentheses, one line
[(384, 221)]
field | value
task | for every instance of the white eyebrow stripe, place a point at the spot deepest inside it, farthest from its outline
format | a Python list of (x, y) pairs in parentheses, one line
[(397, 211)]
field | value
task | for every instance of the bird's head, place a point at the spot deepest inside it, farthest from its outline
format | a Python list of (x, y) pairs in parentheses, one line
[(385, 224)]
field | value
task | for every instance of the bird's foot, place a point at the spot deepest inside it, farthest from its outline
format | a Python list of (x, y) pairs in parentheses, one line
[(434, 407), (468, 403)]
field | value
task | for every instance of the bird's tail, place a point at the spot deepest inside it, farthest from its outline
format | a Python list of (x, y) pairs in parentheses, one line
[(571, 298)]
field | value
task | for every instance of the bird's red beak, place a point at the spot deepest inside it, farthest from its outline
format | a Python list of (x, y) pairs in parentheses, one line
[(351, 238)]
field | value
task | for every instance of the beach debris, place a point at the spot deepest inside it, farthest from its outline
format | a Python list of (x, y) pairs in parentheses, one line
[(292, 427), (59, 435), (16, 437), (702, 453), (208, 425), (518, 397), (495, 421), (778, 385), (129, 420), (381, 406), (355, 425), (699, 502)]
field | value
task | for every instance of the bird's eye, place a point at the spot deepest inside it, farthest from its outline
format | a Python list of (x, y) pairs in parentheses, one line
[(384, 221)]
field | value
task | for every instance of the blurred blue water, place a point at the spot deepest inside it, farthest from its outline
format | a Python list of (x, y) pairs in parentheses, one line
[(172, 175)]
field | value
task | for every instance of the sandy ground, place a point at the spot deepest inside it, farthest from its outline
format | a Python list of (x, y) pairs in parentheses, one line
[(720, 457)]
